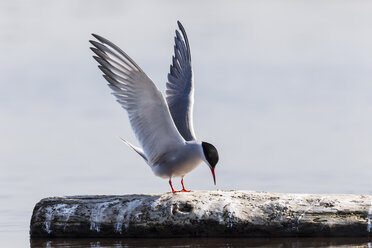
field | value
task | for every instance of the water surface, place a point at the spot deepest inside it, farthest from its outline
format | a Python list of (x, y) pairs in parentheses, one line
[(283, 90), (207, 242)]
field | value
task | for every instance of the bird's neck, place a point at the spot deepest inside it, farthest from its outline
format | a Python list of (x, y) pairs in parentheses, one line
[(196, 147)]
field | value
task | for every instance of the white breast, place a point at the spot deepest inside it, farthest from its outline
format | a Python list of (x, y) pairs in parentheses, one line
[(179, 162)]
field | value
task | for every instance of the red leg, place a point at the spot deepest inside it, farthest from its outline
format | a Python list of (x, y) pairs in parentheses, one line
[(183, 187), (170, 183)]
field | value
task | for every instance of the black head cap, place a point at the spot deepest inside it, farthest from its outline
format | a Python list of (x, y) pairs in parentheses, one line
[(210, 153)]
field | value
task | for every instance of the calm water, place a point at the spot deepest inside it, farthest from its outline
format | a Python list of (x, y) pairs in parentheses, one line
[(283, 89), (213, 242)]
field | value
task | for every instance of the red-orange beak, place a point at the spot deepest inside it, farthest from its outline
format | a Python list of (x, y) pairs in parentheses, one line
[(214, 176)]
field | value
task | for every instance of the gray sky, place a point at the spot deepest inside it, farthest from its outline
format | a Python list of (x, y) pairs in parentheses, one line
[(283, 90)]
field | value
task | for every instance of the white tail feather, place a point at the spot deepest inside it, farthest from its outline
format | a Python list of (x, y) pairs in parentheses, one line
[(135, 148)]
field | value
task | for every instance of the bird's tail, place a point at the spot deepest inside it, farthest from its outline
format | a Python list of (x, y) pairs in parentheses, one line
[(135, 148)]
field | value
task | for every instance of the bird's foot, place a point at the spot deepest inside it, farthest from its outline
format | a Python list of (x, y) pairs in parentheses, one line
[(183, 187), (173, 191), (176, 191)]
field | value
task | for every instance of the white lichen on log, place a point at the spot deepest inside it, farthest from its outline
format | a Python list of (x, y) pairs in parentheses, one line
[(203, 213)]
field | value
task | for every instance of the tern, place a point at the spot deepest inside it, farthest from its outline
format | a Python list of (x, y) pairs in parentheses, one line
[(162, 126)]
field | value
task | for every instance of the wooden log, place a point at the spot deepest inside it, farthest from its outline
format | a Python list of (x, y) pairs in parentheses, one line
[(204, 214)]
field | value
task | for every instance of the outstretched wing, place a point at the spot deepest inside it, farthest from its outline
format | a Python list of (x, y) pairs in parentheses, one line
[(147, 110), (180, 86)]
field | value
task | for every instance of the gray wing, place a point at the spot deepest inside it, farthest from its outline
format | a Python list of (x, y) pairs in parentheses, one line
[(146, 107), (180, 86)]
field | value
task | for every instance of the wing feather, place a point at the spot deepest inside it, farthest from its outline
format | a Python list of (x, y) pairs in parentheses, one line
[(180, 86), (136, 93)]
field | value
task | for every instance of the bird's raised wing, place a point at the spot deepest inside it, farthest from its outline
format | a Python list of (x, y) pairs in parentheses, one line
[(180, 86), (147, 110)]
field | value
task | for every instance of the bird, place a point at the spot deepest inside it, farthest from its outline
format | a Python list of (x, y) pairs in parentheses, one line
[(162, 126)]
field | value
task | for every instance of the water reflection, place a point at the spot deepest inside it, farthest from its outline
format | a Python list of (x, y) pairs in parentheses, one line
[(205, 242)]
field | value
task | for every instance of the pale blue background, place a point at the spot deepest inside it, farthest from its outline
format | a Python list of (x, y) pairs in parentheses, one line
[(283, 90)]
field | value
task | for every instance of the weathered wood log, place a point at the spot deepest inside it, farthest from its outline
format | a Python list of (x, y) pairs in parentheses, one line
[(204, 214)]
